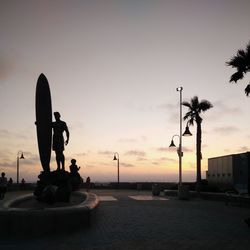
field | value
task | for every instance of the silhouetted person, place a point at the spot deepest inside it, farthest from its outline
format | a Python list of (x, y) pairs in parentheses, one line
[(23, 184), (58, 140), (88, 184), (10, 182), (74, 168), (3, 185)]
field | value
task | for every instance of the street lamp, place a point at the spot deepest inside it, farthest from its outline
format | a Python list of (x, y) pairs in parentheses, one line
[(187, 132), (17, 164), (179, 150), (116, 158), (180, 154)]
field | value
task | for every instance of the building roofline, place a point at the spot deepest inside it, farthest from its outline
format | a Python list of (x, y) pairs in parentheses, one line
[(247, 152)]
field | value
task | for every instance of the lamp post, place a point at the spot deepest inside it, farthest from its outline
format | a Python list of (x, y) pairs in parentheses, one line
[(179, 150), (116, 158), (17, 165), (180, 154)]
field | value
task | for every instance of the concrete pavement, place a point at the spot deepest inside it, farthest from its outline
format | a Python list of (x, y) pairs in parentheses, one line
[(122, 222)]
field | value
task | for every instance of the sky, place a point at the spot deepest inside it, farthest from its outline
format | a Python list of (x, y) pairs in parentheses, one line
[(113, 67)]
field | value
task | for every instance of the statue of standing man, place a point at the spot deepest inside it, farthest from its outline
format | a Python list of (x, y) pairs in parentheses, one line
[(58, 140)]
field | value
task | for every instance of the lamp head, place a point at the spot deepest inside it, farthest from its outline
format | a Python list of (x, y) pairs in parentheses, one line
[(187, 132), (115, 159), (22, 157), (179, 89), (172, 144)]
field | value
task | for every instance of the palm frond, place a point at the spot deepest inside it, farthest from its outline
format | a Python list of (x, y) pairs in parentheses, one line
[(205, 105), (195, 102), (191, 121), (188, 115), (236, 76), (239, 61), (248, 55), (241, 53), (248, 49), (247, 90), (195, 108), (187, 104)]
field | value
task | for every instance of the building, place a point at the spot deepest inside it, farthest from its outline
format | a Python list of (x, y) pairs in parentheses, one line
[(230, 170)]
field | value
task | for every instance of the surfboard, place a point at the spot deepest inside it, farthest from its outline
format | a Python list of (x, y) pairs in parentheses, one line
[(44, 121)]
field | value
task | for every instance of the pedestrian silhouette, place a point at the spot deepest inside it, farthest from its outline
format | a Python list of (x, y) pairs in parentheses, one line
[(3, 185), (88, 184)]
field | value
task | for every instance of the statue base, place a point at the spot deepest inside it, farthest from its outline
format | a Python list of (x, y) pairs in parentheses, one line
[(54, 187)]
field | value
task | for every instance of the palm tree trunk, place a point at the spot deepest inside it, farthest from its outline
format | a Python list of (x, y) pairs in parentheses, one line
[(198, 157)]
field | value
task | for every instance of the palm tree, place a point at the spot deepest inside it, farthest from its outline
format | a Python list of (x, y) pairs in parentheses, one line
[(241, 61), (193, 116)]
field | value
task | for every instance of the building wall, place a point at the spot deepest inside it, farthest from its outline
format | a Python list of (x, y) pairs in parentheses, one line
[(232, 170), (220, 170), (240, 171)]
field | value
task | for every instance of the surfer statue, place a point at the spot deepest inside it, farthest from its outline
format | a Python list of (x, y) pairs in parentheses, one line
[(58, 140), (57, 185)]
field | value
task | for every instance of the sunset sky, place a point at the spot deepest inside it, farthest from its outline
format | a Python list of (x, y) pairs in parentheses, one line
[(113, 67)]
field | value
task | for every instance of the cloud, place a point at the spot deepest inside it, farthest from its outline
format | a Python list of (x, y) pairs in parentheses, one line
[(243, 148), (34, 160), (8, 164), (226, 130), (5, 153), (168, 159), (80, 154), (172, 112), (239, 150), (185, 149), (224, 109), (221, 110), (106, 152), (6, 134), (163, 160), (163, 149), (127, 140), (127, 165), (155, 163), (168, 106), (30, 159), (136, 153), (167, 149), (133, 140), (141, 159)]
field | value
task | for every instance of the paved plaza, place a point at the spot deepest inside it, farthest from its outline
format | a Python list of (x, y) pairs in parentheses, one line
[(130, 219)]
